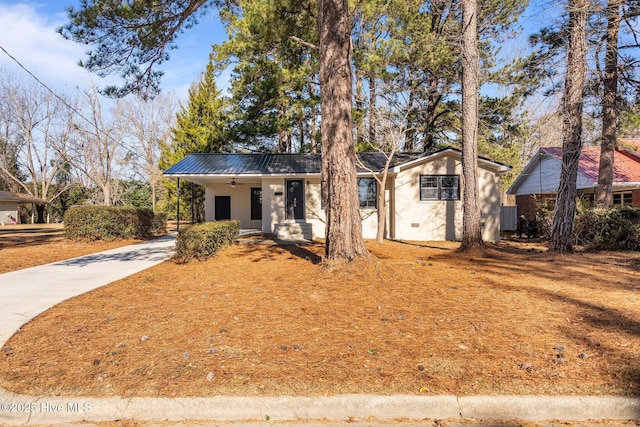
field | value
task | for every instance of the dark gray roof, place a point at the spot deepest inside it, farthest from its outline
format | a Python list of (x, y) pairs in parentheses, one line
[(271, 164)]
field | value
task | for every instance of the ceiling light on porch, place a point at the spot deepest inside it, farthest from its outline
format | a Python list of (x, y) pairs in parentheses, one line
[(233, 183)]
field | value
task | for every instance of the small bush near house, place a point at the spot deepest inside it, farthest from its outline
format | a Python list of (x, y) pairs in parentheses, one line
[(202, 241), (112, 222), (615, 228)]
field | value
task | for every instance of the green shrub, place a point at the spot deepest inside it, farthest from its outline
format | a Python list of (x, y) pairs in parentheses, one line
[(615, 228), (202, 241), (112, 222)]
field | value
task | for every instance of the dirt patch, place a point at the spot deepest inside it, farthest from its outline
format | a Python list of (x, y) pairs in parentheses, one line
[(270, 320)]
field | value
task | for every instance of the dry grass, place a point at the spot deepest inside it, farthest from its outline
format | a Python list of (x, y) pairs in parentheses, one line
[(271, 320), (29, 245)]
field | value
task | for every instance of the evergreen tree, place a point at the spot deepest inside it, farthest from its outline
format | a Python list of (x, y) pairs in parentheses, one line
[(274, 75), (200, 128)]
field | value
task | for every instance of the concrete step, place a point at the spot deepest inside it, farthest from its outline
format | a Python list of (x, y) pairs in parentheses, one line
[(293, 231)]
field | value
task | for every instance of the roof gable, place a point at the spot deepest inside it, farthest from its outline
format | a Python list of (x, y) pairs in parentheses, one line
[(626, 167)]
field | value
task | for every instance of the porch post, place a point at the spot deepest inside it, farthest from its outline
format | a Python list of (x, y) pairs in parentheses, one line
[(193, 211), (178, 206)]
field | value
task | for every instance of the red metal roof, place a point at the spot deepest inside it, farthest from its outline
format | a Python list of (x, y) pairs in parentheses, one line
[(626, 166)]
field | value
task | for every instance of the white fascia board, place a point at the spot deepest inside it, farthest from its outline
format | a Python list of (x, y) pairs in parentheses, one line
[(630, 185), (488, 164)]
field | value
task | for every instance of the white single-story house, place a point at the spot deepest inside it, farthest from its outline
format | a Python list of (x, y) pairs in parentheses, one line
[(280, 193), (9, 205), (540, 178)]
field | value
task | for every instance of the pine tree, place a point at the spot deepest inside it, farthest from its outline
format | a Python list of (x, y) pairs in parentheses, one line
[(200, 128), (565, 210)]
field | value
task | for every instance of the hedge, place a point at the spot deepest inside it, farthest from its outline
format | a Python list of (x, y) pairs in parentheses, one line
[(112, 222), (615, 228), (202, 241)]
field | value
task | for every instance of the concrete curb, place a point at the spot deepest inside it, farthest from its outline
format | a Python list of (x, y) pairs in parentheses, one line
[(25, 410)]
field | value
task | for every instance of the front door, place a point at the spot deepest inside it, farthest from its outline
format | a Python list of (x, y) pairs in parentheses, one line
[(222, 208), (295, 199)]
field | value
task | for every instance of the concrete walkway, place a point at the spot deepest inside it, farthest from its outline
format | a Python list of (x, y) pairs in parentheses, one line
[(26, 293)]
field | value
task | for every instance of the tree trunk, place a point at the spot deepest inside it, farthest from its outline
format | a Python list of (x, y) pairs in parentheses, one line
[(372, 109), (471, 217), (359, 107), (40, 214), (313, 133), (107, 194), (565, 210), (604, 195), (382, 209), (344, 227), (282, 134)]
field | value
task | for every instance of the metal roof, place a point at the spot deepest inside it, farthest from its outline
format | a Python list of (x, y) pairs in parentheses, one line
[(272, 164)]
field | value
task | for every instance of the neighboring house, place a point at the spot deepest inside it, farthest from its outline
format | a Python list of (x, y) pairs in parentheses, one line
[(9, 203), (540, 178), (280, 193)]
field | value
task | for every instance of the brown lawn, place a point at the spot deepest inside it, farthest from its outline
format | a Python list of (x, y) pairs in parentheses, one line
[(29, 245), (270, 320)]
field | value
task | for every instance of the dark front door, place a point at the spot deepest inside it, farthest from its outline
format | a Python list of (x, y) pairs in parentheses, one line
[(295, 199), (223, 207)]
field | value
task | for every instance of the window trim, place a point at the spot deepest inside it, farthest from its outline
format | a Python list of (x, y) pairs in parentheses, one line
[(254, 205), (440, 189), (374, 194), (621, 195)]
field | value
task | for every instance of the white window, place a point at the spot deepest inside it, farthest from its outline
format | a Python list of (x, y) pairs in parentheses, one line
[(439, 187)]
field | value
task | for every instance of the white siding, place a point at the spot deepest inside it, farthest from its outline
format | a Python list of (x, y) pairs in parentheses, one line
[(240, 202), (9, 213), (544, 178), (439, 219)]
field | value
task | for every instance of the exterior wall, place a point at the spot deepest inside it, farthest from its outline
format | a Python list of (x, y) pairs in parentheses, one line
[(274, 203), (636, 198), (313, 207), (240, 202), (9, 213), (426, 220), (316, 216), (528, 204), (415, 219), (544, 178), (408, 218)]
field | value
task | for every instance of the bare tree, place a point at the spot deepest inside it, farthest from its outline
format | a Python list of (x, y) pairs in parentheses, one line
[(35, 125), (471, 217), (145, 125), (96, 149), (565, 210), (339, 183), (391, 131)]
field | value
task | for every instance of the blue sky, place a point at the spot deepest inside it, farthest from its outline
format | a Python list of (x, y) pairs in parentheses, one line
[(28, 33)]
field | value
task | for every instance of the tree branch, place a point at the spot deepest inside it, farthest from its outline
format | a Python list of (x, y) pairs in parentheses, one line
[(304, 43)]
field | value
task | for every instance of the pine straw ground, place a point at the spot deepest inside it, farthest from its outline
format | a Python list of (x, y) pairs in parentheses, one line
[(28, 245), (262, 319)]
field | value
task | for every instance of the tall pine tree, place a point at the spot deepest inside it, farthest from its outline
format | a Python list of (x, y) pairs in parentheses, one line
[(200, 128)]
